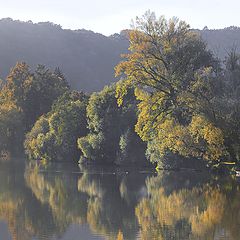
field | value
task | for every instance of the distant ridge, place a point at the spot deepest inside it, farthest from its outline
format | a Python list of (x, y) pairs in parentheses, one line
[(221, 41), (85, 57)]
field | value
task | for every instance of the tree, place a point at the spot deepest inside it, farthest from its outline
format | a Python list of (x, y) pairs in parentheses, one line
[(32, 92), (11, 108), (24, 97), (112, 138), (11, 131), (172, 72), (46, 87), (54, 136), (226, 104)]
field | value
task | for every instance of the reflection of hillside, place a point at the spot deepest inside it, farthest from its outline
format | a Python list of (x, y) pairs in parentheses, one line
[(203, 212)]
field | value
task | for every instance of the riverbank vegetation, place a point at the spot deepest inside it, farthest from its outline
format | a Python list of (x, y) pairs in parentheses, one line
[(189, 101), (174, 100)]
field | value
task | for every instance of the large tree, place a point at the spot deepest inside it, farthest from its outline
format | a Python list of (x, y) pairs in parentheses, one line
[(33, 92), (173, 75), (24, 97)]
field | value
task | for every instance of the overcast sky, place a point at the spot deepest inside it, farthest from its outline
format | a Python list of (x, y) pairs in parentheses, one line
[(111, 16)]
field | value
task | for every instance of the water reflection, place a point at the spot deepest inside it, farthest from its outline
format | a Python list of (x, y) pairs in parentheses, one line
[(112, 200), (20, 209), (68, 202), (207, 210)]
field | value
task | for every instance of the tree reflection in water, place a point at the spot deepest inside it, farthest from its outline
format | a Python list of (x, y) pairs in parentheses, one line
[(25, 215), (44, 203), (102, 198), (207, 210)]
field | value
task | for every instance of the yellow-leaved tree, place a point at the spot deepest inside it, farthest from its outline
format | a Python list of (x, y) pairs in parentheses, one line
[(173, 74)]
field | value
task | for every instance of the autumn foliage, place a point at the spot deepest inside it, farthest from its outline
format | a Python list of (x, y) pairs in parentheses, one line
[(177, 81)]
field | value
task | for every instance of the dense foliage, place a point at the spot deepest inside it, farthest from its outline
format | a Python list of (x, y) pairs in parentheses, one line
[(174, 101), (25, 96), (54, 135), (112, 138), (180, 87)]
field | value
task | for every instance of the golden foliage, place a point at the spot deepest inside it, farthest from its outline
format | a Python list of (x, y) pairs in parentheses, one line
[(202, 208), (120, 235), (175, 108)]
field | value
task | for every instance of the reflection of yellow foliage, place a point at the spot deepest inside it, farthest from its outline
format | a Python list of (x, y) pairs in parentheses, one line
[(36, 182), (95, 209), (120, 235), (9, 213), (147, 221), (203, 221), (93, 215), (202, 208), (7, 208), (54, 193), (172, 206), (89, 187)]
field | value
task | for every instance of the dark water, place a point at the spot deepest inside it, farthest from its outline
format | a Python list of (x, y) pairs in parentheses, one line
[(70, 203)]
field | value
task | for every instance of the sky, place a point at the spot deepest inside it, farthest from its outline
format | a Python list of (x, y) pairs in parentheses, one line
[(112, 16)]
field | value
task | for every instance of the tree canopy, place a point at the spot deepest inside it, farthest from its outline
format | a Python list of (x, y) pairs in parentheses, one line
[(112, 138), (24, 97), (54, 135), (175, 79)]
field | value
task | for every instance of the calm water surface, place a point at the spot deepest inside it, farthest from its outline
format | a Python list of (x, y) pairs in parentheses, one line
[(70, 203)]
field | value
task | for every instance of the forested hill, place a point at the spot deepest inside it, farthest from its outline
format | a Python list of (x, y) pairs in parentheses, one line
[(86, 58), (221, 41)]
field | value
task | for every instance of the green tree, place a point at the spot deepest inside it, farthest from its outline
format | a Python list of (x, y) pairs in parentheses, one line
[(32, 92), (54, 135), (111, 138), (11, 132)]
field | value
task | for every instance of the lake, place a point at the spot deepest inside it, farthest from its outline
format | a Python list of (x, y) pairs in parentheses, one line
[(68, 202)]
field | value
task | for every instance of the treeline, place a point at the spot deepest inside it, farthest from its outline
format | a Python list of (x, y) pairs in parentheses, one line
[(57, 124), (175, 100)]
